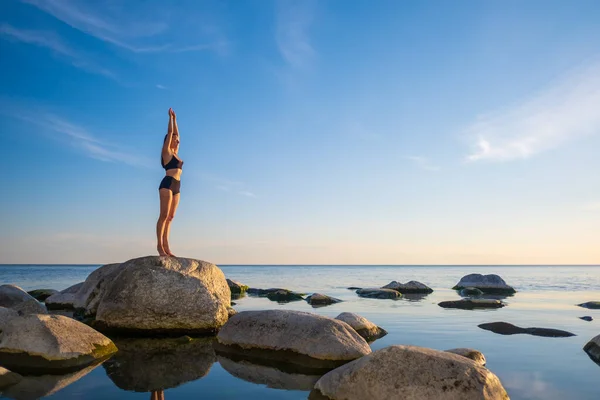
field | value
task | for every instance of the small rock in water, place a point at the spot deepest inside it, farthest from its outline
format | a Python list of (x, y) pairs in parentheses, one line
[(377, 293), (318, 299), (504, 328), (593, 305), (471, 354), (470, 304), (486, 283), (284, 296), (587, 318), (592, 348), (354, 288), (42, 294), (365, 328), (409, 287), (470, 291), (236, 287), (410, 372)]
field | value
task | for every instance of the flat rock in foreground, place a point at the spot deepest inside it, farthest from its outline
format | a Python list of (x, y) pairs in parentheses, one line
[(49, 343), (164, 295), (409, 287), (592, 348), (486, 283), (365, 328), (15, 298), (292, 336), (471, 304), (504, 328), (377, 293), (410, 373)]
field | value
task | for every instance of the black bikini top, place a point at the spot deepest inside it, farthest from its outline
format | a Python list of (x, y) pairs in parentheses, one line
[(174, 163)]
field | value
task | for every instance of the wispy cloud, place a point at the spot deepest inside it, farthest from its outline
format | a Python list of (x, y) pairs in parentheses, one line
[(566, 110), (227, 185), (423, 163), (52, 42), (161, 87), (74, 136), (293, 19), (129, 28)]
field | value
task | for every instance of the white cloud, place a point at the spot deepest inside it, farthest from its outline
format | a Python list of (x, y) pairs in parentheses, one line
[(423, 163), (75, 136), (139, 30), (227, 185), (161, 87), (51, 41), (293, 19), (566, 110)]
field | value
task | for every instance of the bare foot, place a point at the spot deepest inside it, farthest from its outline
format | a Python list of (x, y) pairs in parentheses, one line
[(169, 252), (161, 252)]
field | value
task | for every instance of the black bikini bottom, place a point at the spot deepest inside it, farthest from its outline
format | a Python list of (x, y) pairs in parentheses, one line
[(170, 183)]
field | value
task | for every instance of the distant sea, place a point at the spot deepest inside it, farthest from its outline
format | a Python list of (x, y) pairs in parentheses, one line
[(529, 367)]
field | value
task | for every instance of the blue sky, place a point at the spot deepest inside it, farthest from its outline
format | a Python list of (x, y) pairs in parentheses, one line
[(394, 132)]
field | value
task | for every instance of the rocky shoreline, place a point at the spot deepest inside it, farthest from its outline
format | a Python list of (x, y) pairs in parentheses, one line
[(171, 309)]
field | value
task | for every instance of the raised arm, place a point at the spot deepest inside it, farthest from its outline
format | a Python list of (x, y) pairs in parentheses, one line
[(175, 123), (167, 144)]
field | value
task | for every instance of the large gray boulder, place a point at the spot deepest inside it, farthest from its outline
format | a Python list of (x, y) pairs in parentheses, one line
[(145, 365), (274, 377), (592, 348), (33, 387), (377, 293), (410, 373), (64, 299), (471, 354), (86, 298), (292, 336), (49, 343), (17, 299), (8, 378), (486, 283), (409, 287), (6, 314), (164, 295), (365, 328)]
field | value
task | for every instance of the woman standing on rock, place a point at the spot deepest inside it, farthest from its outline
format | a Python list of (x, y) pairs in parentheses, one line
[(169, 186)]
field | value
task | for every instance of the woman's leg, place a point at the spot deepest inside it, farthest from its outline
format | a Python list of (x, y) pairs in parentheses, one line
[(171, 215), (165, 204)]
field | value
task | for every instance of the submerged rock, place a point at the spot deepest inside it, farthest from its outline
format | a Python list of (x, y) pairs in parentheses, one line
[(16, 299), (236, 287), (63, 300), (52, 343), (377, 293), (410, 372), (471, 354), (365, 328), (353, 288), (470, 291), (8, 378), (284, 296), (592, 348), (594, 305), (144, 365), (486, 283), (587, 318), (293, 337), (32, 387), (504, 328), (164, 295), (318, 299), (409, 287), (471, 304), (42, 294), (275, 376)]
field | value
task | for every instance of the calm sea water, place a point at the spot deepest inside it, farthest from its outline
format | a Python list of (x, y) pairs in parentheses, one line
[(529, 367)]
